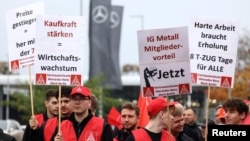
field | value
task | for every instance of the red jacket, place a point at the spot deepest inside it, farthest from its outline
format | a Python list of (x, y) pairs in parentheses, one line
[(142, 135), (92, 131)]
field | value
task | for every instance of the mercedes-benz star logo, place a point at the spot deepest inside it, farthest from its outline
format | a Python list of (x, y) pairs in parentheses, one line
[(100, 14), (114, 19)]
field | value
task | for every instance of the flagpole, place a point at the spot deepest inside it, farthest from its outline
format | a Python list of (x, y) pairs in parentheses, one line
[(8, 95), (100, 105), (229, 93), (81, 9)]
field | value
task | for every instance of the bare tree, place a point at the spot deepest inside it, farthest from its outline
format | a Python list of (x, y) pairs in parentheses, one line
[(243, 57)]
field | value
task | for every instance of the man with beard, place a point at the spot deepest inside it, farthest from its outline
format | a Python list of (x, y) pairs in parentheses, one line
[(49, 128), (129, 118)]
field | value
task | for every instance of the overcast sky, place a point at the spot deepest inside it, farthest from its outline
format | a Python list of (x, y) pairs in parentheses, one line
[(138, 14)]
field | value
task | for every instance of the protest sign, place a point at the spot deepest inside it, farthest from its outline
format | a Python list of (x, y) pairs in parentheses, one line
[(59, 51), (21, 24), (213, 51), (164, 62)]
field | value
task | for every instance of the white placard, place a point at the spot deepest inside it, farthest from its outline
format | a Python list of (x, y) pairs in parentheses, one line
[(59, 51), (21, 24), (164, 62), (213, 51), (163, 45)]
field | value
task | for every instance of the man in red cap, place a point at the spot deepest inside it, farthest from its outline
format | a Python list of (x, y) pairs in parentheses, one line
[(219, 116), (82, 125), (160, 112)]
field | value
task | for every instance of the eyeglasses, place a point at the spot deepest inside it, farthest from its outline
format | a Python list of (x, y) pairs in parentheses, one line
[(79, 99)]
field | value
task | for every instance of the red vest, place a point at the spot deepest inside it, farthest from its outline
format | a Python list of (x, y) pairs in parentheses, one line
[(50, 128), (40, 119), (247, 119), (142, 135), (92, 131)]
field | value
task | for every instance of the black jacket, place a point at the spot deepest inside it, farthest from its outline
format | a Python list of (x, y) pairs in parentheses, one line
[(183, 137), (30, 134), (193, 131), (121, 135), (6, 137)]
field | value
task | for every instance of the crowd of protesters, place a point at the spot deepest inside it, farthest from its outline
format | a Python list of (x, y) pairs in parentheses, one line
[(172, 121), (166, 120)]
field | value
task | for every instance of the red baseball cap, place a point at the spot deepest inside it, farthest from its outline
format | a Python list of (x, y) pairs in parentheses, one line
[(158, 104), (80, 90), (221, 112)]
